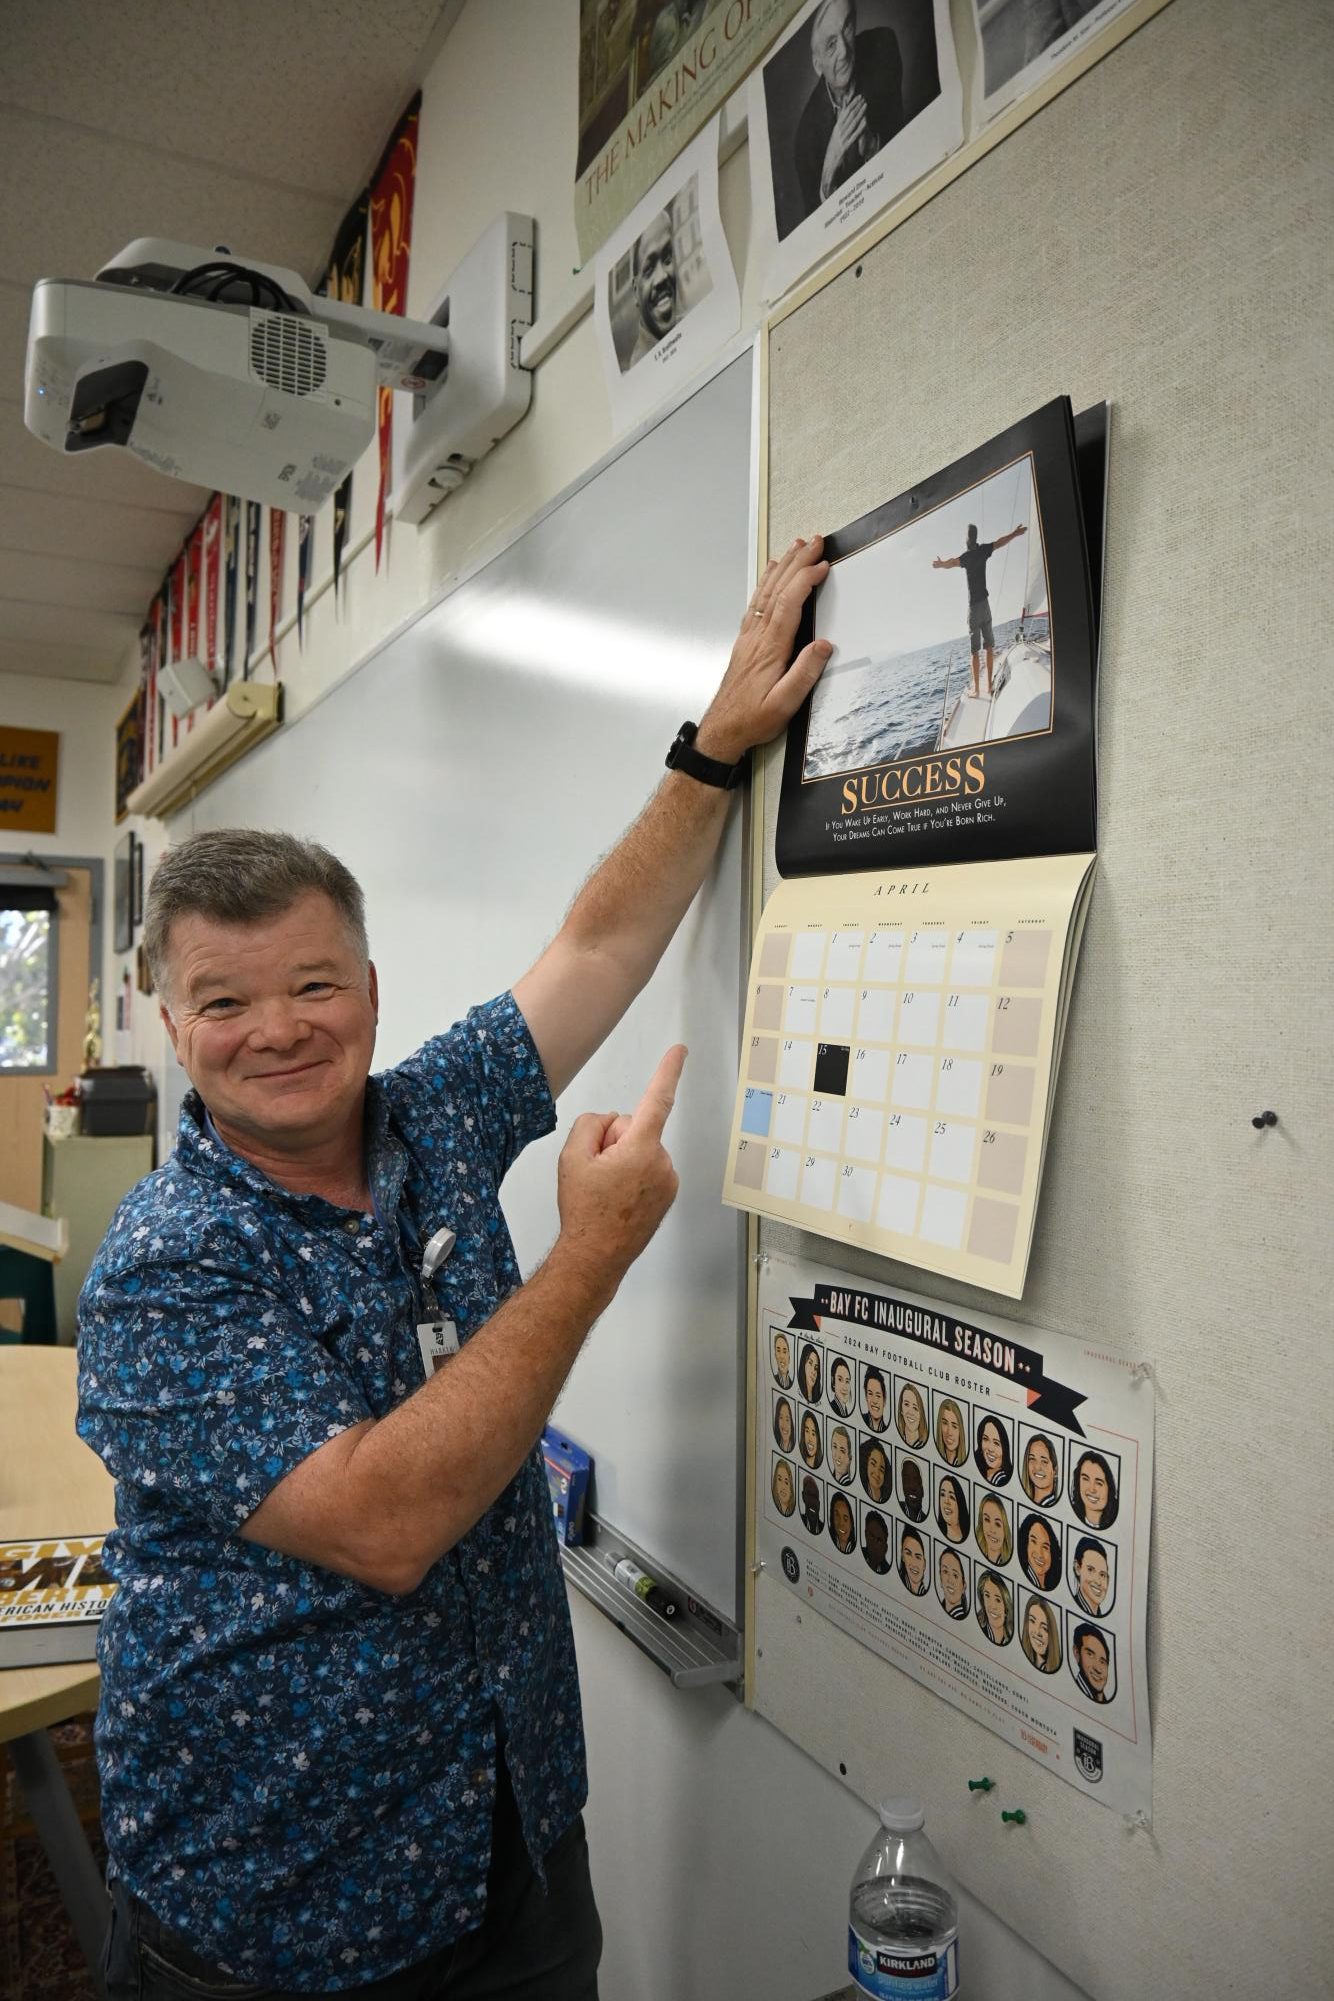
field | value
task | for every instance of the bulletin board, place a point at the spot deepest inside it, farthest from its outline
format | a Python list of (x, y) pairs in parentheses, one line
[(1151, 236)]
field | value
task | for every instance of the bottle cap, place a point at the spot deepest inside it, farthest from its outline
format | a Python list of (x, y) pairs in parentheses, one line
[(901, 1816)]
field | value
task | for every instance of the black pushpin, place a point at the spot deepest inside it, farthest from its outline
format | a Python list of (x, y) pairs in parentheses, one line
[(1263, 1119)]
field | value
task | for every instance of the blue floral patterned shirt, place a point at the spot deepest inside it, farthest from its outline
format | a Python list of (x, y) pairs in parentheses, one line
[(298, 1771)]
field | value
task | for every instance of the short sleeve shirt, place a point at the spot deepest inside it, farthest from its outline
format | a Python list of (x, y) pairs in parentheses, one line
[(298, 1771), (973, 563)]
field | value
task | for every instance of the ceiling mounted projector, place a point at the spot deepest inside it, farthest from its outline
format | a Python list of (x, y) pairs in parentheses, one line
[(233, 375)]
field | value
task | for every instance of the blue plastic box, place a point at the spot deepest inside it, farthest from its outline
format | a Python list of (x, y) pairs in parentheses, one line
[(568, 1471)]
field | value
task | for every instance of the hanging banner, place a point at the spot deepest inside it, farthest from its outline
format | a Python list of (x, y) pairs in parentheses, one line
[(391, 242), (305, 533), (194, 581), (277, 541), (253, 512), (157, 618), (345, 280), (972, 1500), (649, 77), (212, 579), (232, 544)]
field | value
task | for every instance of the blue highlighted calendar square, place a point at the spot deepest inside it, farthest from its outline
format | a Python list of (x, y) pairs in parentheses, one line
[(756, 1113)]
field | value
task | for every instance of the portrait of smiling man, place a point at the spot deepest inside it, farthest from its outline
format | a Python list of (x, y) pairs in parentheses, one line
[(339, 1736), (653, 266)]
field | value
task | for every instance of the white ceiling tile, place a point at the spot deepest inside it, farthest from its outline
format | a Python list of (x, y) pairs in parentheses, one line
[(74, 580), (103, 632), (109, 477), (305, 92), (93, 531), (59, 661), (110, 193)]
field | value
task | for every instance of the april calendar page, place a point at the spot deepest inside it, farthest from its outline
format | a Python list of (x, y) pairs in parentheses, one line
[(901, 1040)]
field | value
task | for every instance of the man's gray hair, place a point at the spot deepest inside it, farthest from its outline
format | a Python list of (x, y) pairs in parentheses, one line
[(238, 875), (820, 13)]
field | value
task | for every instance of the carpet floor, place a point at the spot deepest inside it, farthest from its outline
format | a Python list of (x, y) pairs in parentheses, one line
[(40, 1958)]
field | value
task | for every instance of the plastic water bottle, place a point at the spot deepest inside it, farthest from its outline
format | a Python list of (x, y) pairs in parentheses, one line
[(903, 1914)]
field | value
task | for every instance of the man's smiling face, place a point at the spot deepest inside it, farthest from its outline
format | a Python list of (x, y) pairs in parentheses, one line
[(274, 1021), (655, 282)]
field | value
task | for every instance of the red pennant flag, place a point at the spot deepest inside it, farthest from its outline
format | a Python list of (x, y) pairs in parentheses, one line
[(212, 581), (391, 237), (277, 537)]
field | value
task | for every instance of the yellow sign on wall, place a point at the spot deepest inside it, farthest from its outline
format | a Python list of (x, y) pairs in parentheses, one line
[(28, 766)]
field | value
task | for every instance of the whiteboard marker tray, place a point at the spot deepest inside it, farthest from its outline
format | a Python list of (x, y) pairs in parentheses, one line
[(695, 1648)]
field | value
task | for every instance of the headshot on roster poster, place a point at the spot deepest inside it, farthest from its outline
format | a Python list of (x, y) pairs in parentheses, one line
[(912, 1488), (1093, 1661), (783, 1487), (992, 1455), (991, 1530), (1040, 1551), (1093, 1494), (848, 79), (951, 1432), (875, 1542), (809, 1373), (1040, 1635), (842, 1524), (809, 1442), (782, 1361), (995, 1608), (952, 1511), (840, 1454), (785, 1430), (952, 1583), (912, 1562), (840, 1385), (910, 1414), (874, 1399), (1040, 1470), (1092, 1579), (874, 1462), (812, 1508), (660, 280)]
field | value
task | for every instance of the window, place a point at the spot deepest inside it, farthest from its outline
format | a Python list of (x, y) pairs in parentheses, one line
[(27, 979)]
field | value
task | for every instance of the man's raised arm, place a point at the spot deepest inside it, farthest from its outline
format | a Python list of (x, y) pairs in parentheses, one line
[(627, 912)]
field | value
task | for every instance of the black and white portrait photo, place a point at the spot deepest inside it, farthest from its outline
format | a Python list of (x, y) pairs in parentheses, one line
[(1021, 40), (666, 295), (660, 278), (857, 100)]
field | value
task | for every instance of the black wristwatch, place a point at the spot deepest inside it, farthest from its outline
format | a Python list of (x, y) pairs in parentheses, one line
[(709, 770)]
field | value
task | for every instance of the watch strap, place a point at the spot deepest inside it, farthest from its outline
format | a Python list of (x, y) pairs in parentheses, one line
[(683, 756)]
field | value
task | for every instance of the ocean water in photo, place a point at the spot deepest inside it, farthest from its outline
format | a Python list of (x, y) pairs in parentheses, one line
[(889, 707)]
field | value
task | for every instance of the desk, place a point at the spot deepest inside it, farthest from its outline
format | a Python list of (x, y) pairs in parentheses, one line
[(50, 1483)]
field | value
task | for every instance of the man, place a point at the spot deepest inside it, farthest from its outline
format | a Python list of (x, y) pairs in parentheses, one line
[(1091, 1574), (840, 1388), (973, 562), (339, 1735), (673, 25), (653, 264), (856, 106), (1093, 1663)]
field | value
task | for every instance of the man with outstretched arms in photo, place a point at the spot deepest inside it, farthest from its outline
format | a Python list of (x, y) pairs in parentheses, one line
[(972, 560), (339, 1737)]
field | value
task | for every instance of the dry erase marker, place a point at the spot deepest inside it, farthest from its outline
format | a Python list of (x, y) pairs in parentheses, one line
[(654, 1596)]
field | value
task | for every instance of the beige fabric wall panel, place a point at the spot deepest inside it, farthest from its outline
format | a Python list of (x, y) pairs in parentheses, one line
[(1158, 235)]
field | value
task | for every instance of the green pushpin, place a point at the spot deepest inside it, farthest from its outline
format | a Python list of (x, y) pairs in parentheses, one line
[(980, 1785), (1018, 1816)]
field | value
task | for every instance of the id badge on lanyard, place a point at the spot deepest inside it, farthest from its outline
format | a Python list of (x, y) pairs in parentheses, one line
[(437, 1338)]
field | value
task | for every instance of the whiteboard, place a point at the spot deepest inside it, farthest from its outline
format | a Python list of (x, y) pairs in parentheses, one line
[(1127, 243), (470, 774)]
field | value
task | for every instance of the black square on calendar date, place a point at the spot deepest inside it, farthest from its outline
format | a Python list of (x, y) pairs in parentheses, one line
[(831, 1069)]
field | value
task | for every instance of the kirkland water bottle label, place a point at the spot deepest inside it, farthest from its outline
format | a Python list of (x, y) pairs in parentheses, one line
[(902, 1976)]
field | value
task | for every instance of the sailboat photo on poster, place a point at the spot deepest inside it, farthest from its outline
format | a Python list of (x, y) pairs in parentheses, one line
[(955, 719), (971, 658)]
